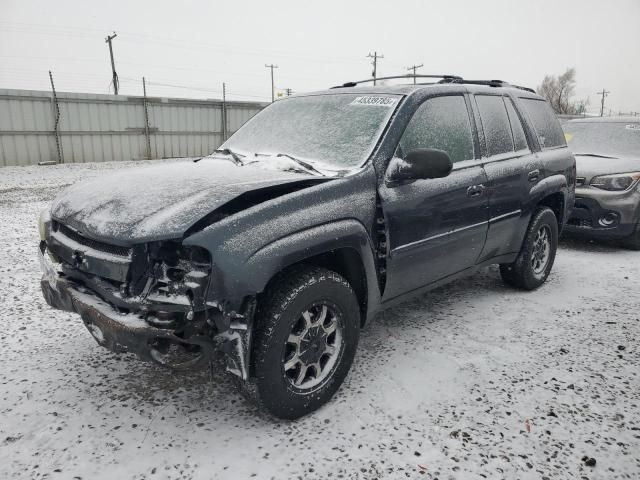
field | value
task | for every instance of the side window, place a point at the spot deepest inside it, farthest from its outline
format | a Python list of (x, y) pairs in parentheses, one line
[(441, 123), (495, 123), (519, 138), (545, 123)]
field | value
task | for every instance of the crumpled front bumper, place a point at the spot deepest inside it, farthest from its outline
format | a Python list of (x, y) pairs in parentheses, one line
[(116, 331)]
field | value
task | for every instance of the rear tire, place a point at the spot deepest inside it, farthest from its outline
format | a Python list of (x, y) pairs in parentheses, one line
[(633, 242), (538, 252), (305, 341)]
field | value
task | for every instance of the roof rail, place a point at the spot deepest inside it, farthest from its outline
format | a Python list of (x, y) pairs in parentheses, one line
[(443, 79), (489, 83)]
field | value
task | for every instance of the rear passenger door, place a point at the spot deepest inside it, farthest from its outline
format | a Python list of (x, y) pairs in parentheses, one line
[(512, 169)]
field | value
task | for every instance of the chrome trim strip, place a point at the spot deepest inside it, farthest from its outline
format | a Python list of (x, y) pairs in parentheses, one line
[(91, 252), (506, 215), (425, 240)]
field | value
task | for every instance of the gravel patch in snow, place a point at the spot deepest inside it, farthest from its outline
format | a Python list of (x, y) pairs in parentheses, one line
[(473, 380)]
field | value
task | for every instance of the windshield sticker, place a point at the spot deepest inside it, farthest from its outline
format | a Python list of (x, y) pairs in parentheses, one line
[(568, 136), (375, 101), (633, 126)]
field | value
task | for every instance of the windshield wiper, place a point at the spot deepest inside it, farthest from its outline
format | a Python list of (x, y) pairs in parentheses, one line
[(594, 155), (307, 166), (235, 156)]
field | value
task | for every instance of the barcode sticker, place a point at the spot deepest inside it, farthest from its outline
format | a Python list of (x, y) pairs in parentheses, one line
[(370, 100)]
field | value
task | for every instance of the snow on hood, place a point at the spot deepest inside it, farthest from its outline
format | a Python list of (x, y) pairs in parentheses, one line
[(159, 202)]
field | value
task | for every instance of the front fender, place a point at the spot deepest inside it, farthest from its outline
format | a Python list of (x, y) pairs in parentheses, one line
[(295, 248), (233, 279)]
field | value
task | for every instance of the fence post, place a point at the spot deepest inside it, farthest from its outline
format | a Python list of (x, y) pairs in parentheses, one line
[(146, 118), (224, 112), (56, 124)]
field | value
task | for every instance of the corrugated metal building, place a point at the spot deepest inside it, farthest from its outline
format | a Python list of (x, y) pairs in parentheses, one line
[(98, 128)]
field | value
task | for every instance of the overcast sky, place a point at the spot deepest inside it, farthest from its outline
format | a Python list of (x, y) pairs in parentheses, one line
[(199, 44)]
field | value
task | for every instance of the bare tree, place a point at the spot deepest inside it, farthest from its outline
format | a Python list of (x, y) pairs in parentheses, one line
[(558, 90)]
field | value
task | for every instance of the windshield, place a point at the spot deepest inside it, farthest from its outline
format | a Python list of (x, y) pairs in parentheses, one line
[(338, 131), (615, 139)]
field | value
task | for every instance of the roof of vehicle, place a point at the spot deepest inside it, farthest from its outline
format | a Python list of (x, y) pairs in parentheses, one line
[(615, 119), (419, 83)]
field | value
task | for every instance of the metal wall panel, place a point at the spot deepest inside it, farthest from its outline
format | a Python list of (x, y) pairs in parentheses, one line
[(102, 128)]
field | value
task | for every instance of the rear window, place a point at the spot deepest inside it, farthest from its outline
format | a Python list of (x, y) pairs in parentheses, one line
[(545, 123)]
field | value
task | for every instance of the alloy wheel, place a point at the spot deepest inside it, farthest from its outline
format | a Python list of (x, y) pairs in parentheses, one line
[(313, 346)]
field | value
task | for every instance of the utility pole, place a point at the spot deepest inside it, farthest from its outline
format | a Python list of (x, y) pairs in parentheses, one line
[(113, 65), (288, 92), (273, 88), (604, 93), (374, 62), (56, 126), (414, 68)]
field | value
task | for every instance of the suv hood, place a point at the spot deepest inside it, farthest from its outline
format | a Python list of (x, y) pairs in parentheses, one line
[(588, 166), (160, 202)]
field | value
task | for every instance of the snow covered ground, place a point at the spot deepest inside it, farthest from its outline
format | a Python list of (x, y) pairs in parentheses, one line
[(474, 380)]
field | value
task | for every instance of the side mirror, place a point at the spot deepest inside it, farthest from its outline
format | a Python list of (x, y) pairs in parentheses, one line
[(421, 163)]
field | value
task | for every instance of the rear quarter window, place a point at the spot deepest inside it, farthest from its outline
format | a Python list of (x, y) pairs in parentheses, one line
[(545, 123)]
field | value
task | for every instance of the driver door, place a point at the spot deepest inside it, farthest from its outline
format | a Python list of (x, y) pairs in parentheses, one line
[(437, 227)]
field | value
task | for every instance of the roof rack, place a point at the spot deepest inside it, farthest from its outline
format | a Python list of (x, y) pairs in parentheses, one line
[(443, 79), (489, 83), (409, 76)]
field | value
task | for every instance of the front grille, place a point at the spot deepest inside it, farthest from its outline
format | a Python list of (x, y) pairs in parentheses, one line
[(581, 222), (580, 181), (94, 244)]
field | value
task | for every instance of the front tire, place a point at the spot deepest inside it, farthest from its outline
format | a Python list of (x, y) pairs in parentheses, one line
[(538, 252), (305, 340)]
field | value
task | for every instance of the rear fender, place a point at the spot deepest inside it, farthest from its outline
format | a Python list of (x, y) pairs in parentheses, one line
[(549, 186)]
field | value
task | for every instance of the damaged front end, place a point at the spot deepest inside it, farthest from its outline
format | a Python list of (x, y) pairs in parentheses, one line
[(148, 299)]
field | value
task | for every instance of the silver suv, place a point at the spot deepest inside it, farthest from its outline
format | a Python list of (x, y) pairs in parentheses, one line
[(607, 152)]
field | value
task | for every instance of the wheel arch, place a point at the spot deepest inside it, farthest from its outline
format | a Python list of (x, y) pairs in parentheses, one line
[(343, 247), (556, 202), (552, 192)]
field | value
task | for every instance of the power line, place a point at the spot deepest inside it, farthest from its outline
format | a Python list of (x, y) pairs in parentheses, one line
[(273, 88), (414, 68), (189, 87), (374, 62), (113, 65)]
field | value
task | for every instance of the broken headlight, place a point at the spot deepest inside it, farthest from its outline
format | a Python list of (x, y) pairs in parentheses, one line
[(177, 275), (617, 182)]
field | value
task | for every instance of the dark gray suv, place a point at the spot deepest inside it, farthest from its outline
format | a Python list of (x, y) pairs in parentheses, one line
[(322, 210)]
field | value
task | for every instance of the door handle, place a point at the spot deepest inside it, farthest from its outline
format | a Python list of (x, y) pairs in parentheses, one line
[(475, 190), (533, 175)]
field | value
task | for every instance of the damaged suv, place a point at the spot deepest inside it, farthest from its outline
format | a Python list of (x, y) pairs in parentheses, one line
[(319, 212)]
